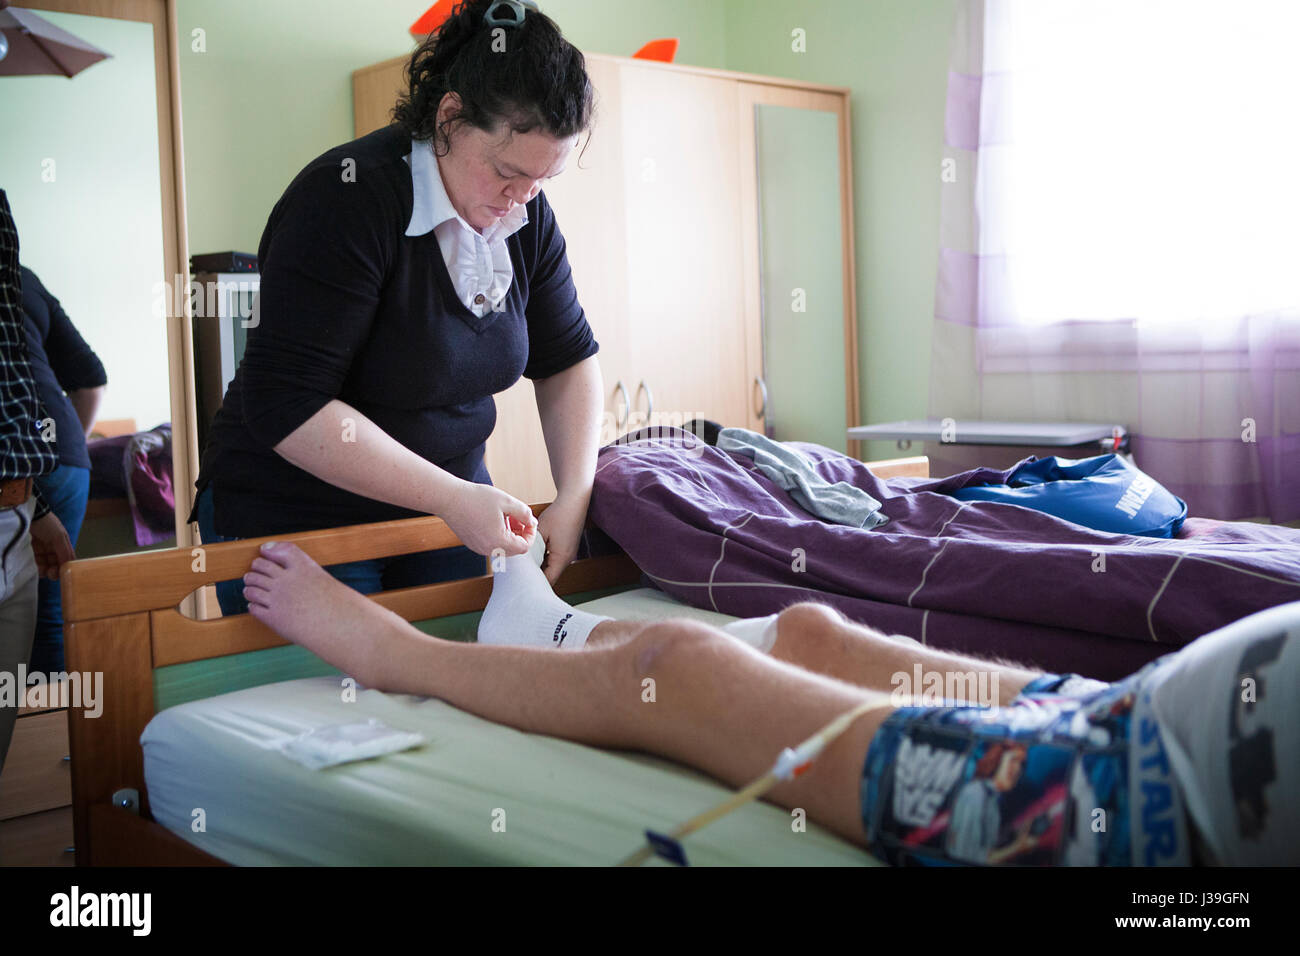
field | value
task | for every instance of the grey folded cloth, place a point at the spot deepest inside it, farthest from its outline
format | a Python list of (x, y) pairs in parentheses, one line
[(840, 503)]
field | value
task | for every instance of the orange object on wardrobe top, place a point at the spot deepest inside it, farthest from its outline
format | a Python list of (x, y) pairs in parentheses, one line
[(662, 50), (432, 18)]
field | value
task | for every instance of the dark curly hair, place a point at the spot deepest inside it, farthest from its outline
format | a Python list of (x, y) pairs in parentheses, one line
[(539, 81)]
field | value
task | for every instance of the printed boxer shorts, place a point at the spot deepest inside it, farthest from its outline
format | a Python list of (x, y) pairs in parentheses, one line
[(1072, 772)]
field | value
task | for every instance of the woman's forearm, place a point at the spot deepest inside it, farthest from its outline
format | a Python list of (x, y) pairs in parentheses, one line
[(85, 402), (570, 404), (345, 448)]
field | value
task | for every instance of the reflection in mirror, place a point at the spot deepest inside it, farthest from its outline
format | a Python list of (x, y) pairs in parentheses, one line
[(801, 249), (80, 164)]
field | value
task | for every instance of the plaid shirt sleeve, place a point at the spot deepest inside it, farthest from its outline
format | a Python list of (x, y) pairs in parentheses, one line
[(23, 451)]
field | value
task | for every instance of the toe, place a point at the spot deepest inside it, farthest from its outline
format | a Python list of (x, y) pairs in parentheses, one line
[(286, 553), (257, 597), (282, 553), (265, 566), (256, 579)]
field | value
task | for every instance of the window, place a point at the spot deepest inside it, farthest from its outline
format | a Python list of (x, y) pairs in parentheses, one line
[(1141, 159)]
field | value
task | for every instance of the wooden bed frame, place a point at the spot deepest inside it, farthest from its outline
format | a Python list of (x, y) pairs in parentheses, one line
[(121, 620)]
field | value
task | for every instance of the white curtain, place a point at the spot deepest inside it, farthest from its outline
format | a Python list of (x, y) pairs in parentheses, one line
[(1121, 234)]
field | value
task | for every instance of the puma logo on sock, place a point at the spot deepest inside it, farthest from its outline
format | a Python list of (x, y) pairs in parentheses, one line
[(559, 635), (524, 612)]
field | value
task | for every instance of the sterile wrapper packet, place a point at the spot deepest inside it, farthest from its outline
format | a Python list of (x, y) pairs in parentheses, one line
[(344, 743)]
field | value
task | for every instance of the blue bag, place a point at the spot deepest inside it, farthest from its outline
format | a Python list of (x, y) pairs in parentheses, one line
[(1106, 493)]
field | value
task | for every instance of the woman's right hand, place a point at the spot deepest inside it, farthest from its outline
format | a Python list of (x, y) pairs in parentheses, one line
[(479, 515)]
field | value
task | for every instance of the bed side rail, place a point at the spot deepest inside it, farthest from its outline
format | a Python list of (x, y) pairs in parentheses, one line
[(154, 580)]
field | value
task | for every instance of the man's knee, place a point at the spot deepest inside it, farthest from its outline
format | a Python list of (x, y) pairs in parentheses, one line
[(809, 624), (668, 644)]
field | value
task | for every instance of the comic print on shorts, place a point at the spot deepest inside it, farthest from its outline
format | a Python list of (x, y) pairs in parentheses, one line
[(1044, 781)]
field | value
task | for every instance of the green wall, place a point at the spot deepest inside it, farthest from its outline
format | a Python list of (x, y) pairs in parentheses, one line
[(273, 90)]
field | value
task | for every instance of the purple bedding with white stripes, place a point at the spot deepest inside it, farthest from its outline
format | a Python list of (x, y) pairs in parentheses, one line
[(978, 577)]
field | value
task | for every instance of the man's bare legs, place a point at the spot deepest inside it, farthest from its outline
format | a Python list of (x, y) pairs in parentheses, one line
[(679, 689)]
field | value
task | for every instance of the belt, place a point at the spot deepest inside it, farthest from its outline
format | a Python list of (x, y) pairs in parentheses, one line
[(14, 492)]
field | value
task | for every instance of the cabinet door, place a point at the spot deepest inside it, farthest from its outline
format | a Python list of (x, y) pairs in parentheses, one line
[(684, 248), (374, 94), (588, 205)]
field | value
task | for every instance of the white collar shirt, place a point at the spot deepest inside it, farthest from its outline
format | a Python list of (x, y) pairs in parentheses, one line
[(478, 263)]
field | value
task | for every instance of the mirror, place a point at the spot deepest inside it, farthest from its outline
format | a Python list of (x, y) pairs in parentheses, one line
[(80, 163), (802, 272)]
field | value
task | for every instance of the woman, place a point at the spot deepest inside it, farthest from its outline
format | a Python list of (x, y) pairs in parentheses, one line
[(407, 277)]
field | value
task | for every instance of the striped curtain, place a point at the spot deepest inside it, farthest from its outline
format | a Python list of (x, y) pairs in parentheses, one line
[(1119, 238)]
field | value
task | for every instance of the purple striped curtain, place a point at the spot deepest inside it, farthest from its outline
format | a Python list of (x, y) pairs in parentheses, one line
[(1206, 374)]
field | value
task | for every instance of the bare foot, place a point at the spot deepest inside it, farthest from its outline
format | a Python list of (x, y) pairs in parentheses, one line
[(299, 600)]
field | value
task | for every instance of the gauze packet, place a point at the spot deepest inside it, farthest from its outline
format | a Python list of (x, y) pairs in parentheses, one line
[(345, 743)]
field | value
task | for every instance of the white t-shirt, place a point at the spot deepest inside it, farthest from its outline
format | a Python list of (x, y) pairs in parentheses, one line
[(1229, 713)]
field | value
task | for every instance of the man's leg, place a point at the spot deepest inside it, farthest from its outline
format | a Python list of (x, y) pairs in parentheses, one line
[(678, 689), (817, 638), (524, 611), (18, 579)]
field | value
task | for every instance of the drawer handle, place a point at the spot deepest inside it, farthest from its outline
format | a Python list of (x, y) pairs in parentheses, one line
[(67, 758), (69, 849), (649, 400)]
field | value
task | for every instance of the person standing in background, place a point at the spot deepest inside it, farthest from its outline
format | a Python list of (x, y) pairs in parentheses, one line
[(61, 361), (32, 540)]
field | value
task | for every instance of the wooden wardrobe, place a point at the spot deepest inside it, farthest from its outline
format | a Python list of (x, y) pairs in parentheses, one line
[(661, 214)]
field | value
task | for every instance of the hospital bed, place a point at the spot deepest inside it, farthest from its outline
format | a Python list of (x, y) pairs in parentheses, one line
[(172, 774)]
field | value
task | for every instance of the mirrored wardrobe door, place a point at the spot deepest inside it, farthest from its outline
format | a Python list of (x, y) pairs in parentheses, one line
[(807, 389), (91, 166)]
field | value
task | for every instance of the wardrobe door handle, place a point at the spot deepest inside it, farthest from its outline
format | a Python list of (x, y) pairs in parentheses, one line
[(762, 391), (649, 400), (627, 405)]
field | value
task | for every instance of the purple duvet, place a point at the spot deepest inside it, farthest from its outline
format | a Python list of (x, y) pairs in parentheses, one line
[(979, 577)]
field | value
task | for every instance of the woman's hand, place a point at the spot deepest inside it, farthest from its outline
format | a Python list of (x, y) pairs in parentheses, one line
[(50, 545), (560, 527), (481, 517)]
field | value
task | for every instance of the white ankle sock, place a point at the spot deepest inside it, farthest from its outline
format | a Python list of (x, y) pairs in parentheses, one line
[(758, 632), (524, 611), (537, 550)]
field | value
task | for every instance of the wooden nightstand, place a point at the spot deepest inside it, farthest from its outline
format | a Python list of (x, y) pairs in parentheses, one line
[(36, 789)]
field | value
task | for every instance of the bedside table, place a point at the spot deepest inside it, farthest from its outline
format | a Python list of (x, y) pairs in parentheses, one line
[(1106, 437), (36, 788)]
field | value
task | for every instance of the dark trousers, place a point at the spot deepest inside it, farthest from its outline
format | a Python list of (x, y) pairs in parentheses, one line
[(65, 490)]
